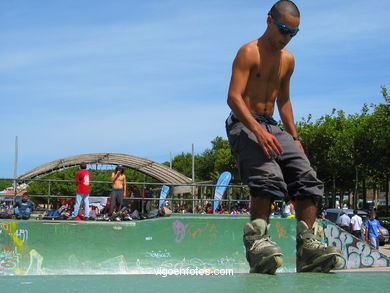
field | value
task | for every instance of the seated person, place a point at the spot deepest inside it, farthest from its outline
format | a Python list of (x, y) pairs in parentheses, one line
[(64, 211), (94, 212), (288, 210), (23, 207)]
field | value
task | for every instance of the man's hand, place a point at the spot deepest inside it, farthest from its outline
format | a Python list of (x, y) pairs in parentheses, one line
[(298, 142), (269, 144)]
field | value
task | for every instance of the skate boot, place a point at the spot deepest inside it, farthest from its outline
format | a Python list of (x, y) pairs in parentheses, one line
[(263, 255), (312, 254)]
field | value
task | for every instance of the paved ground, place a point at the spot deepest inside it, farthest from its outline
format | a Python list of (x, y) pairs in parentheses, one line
[(239, 283), (385, 250)]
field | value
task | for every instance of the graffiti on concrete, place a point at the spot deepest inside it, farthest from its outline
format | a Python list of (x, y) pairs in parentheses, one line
[(356, 253), (9, 260), (35, 266), (197, 229), (12, 247), (194, 230), (280, 230), (180, 230), (15, 235), (117, 263), (158, 254), (22, 234)]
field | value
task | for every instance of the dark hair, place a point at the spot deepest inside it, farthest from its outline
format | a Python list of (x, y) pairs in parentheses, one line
[(282, 7), (83, 166), (119, 168), (355, 212)]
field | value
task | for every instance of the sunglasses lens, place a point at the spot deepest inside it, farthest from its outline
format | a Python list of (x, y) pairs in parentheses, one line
[(284, 31)]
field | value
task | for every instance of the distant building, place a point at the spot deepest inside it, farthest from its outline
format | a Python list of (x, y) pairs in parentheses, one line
[(9, 191)]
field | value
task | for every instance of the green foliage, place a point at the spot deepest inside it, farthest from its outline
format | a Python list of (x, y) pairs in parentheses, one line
[(339, 146), (183, 164), (210, 164), (5, 183), (100, 189)]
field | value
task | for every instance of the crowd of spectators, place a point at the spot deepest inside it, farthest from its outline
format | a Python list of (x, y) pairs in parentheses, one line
[(233, 208)]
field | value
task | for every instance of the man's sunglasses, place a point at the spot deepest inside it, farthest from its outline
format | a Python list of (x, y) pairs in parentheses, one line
[(285, 30)]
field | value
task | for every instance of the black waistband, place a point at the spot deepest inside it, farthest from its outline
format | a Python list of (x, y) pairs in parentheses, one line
[(259, 118)]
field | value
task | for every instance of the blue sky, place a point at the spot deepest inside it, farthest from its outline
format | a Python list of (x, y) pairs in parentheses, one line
[(149, 78)]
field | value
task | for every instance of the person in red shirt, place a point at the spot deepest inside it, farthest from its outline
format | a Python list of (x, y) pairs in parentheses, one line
[(82, 179)]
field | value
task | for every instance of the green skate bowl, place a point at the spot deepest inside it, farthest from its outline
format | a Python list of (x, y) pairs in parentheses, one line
[(154, 246)]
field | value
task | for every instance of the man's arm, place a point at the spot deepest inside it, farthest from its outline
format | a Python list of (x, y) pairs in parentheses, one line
[(284, 103), (367, 230), (292, 209), (124, 186), (380, 231), (241, 70), (114, 176), (78, 178)]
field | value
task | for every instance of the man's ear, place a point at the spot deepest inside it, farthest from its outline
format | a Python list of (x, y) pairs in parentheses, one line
[(269, 19)]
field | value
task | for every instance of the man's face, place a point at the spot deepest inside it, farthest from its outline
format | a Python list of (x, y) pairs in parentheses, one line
[(283, 30), (25, 198)]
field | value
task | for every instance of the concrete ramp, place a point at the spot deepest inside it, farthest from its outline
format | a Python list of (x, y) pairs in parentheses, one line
[(356, 253), (152, 246), (139, 247)]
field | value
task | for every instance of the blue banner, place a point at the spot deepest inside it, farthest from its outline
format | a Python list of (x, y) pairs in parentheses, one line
[(224, 179), (163, 194)]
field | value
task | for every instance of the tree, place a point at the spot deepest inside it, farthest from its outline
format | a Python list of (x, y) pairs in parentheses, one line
[(216, 160), (5, 183), (55, 188), (183, 164)]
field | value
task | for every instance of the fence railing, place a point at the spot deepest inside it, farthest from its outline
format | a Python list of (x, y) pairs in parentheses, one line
[(188, 195)]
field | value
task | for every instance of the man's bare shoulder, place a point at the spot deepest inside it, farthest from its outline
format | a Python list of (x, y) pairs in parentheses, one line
[(250, 48), (288, 56), (248, 53)]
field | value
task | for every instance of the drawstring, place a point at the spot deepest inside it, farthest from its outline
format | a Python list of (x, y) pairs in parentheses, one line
[(267, 120)]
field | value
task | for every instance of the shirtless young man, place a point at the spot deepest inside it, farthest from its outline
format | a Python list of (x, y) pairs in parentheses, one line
[(272, 161), (118, 188)]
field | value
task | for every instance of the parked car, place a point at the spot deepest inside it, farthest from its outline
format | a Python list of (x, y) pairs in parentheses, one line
[(334, 214)]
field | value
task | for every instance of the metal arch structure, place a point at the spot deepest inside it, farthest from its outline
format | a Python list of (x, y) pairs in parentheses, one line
[(153, 169)]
